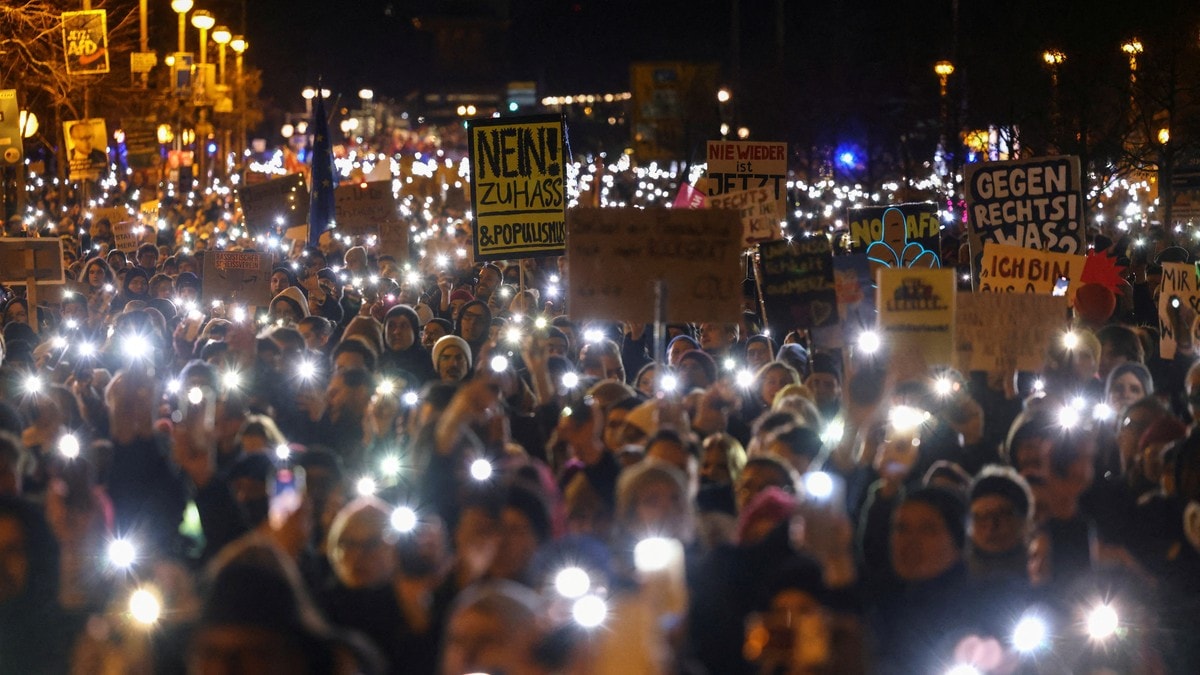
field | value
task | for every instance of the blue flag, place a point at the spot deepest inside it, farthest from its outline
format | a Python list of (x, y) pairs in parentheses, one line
[(324, 180)]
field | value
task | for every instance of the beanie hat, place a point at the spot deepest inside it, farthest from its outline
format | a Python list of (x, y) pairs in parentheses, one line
[(1094, 304), (683, 338), (771, 504), (1003, 482), (461, 294), (451, 341), (292, 295), (424, 313), (795, 355), (706, 362), (822, 362), (949, 506), (187, 280), (642, 417), (444, 323)]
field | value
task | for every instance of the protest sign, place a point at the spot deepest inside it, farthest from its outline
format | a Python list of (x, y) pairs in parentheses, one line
[(1013, 269), (690, 197), (11, 134), (916, 312), (275, 205), (362, 208), (797, 284), (1006, 332), (616, 256), (1178, 294), (758, 210), (1032, 203), (242, 278), (902, 235), (854, 285), (518, 187), (86, 142), (393, 240), (23, 259), (113, 214), (735, 166), (141, 141), (127, 234), (85, 41)]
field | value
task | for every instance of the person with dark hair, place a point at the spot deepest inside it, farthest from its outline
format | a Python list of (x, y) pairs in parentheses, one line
[(1001, 514), (1118, 344), (353, 353), (135, 286), (434, 330), (474, 322), (403, 355), (316, 331), (825, 381), (147, 258)]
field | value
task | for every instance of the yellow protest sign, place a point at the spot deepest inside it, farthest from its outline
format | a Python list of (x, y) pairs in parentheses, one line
[(518, 187), (916, 310), (1013, 269)]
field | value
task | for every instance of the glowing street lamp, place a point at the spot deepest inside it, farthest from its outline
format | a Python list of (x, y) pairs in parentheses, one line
[(723, 95), (182, 7), (28, 123), (943, 69), (204, 21), (222, 36)]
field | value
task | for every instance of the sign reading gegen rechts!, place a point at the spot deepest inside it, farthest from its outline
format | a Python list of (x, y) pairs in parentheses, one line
[(518, 187)]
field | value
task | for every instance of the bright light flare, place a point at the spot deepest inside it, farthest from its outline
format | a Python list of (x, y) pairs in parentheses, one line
[(410, 398), (905, 418), (307, 370), (1102, 622), (668, 383), (654, 554), (1068, 417), (499, 363), (1070, 340), (195, 395), (593, 335), (589, 611), (818, 485), (33, 384), (1030, 634), (365, 486), (570, 380), (404, 519), (68, 446), (145, 607), (481, 470), (869, 342), (1103, 412), (390, 466), (121, 554), (283, 452), (231, 380), (136, 346), (943, 386), (744, 379), (572, 582)]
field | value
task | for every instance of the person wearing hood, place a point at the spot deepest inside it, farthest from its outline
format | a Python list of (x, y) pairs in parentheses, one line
[(136, 286), (402, 353), (474, 322), (283, 277), (289, 306)]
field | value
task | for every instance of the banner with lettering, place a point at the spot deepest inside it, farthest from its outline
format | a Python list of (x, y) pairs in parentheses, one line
[(759, 211), (616, 256), (751, 178), (916, 312), (1032, 203), (1012, 269), (518, 186), (797, 284), (854, 284), (1006, 332), (362, 208), (1178, 305), (275, 205), (85, 41), (899, 235), (236, 278)]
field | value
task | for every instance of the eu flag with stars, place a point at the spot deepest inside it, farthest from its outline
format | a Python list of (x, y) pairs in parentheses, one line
[(320, 203)]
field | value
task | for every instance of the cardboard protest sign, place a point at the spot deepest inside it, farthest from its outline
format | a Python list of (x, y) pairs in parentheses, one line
[(736, 166), (127, 234), (616, 255), (85, 41), (393, 241), (518, 186), (916, 312), (1012, 269), (1178, 294), (759, 211), (39, 259), (362, 208), (901, 235), (275, 205), (243, 278), (797, 284), (854, 284), (990, 337), (86, 142), (1033, 203), (113, 214)]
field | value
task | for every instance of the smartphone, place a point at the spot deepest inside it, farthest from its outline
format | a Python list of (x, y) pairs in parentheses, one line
[(1060, 287), (286, 493)]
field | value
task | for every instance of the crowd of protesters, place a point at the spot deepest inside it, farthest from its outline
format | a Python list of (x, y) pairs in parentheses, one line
[(441, 467)]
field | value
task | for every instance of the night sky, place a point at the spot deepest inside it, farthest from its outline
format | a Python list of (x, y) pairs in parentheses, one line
[(846, 67)]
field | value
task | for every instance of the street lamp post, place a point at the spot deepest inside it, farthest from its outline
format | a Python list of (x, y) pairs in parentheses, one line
[(239, 45), (943, 70), (1054, 58), (204, 21), (222, 36), (182, 7)]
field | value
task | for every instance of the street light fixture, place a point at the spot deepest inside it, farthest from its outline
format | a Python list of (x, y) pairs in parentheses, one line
[(28, 122), (182, 7), (723, 95), (1053, 57), (222, 36), (366, 94), (943, 69), (204, 21)]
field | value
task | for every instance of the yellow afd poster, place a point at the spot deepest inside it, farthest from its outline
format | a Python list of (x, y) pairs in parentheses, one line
[(518, 187), (916, 312)]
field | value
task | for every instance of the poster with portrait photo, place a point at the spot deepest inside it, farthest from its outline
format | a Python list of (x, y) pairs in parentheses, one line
[(87, 143)]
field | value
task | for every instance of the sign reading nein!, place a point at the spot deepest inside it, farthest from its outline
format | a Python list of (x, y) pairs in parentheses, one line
[(518, 191)]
